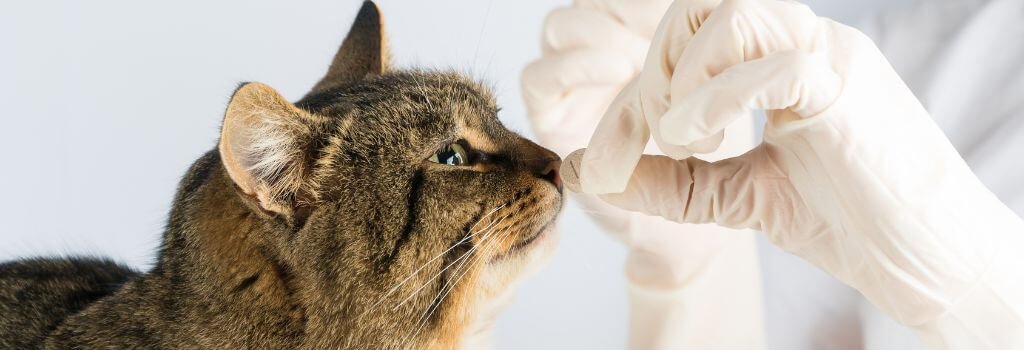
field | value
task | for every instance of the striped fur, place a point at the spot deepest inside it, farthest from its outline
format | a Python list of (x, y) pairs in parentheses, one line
[(319, 224)]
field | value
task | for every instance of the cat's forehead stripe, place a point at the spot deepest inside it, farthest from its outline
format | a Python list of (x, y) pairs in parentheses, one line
[(479, 140)]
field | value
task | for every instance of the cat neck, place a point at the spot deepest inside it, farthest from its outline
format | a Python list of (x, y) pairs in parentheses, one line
[(220, 260)]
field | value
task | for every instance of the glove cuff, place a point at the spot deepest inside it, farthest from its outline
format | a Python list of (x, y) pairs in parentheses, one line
[(991, 314)]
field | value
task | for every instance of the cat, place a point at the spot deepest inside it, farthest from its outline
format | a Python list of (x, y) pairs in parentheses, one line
[(386, 209)]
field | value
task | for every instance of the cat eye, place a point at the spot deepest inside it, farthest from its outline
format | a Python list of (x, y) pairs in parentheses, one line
[(452, 154)]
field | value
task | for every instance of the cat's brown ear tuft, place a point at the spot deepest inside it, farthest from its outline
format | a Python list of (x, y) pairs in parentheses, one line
[(364, 51), (261, 145)]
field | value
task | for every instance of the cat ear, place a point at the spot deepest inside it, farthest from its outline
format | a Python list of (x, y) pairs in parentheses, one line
[(364, 51), (261, 145)]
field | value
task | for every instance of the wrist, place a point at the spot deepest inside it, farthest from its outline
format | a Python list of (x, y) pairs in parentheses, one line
[(991, 314)]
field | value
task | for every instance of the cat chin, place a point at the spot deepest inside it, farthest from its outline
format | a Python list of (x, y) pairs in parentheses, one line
[(501, 280), (502, 276), (538, 253), (528, 257)]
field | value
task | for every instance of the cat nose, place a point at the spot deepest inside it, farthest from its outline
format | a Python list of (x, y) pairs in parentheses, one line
[(547, 169), (543, 163), (550, 173)]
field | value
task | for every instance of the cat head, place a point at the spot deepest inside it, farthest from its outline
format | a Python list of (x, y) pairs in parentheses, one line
[(400, 201)]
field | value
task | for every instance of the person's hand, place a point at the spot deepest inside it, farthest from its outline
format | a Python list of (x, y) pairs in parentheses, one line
[(588, 56), (590, 52), (853, 175)]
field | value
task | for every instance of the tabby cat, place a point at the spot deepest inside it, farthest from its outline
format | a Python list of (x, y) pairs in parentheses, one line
[(386, 209)]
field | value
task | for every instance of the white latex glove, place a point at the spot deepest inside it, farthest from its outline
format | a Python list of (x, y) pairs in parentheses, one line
[(853, 175), (677, 281)]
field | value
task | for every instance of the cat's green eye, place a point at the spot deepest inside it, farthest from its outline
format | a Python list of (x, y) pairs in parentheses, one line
[(452, 154)]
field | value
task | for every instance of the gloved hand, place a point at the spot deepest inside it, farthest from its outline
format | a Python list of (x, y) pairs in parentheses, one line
[(677, 281), (853, 175)]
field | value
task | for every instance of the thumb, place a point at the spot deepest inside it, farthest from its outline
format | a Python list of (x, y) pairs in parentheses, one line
[(614, 148), (692, 190)]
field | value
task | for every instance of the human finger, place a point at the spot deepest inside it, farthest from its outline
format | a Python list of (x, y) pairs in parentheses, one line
[(795, 80)]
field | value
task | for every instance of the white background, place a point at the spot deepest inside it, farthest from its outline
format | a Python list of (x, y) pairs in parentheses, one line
[(104, 104)]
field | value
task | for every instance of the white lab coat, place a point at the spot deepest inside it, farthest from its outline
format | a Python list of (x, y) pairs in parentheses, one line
[(964, 59)]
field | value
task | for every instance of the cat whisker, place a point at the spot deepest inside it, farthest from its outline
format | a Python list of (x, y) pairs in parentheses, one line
[(489, 224), (423, 90), (441, 294), (483, 28), (411, 275), (463, 240), (422, 321), (464, 255)]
